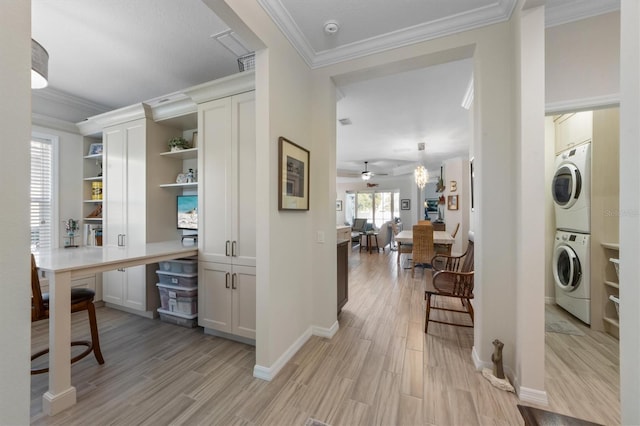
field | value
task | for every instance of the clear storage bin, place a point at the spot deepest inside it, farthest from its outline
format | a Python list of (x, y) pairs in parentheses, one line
[(183, 320), (179, 279), (181, 266)]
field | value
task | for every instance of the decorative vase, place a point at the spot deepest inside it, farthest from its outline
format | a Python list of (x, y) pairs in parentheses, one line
[(176, 148)]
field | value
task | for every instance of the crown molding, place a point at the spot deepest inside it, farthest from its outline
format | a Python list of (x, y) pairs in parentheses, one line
[(71, 101), (574, 10), (222, 87), (42, 120), (499, 11), (583, 104), (94, 125)]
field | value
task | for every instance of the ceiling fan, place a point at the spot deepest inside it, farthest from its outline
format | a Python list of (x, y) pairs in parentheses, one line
[(366, 174)]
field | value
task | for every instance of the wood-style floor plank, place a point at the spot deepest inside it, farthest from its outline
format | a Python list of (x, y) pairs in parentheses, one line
[(379, 369)]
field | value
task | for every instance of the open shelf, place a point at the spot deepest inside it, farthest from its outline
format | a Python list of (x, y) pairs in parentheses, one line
[(184, 154), (179, 185), (612, 284), (93, 178), (92, 201), (612, 246), (92, 219), (93, 157)]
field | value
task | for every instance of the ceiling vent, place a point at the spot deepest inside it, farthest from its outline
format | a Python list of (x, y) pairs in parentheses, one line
[(421, 146), (345, 121)]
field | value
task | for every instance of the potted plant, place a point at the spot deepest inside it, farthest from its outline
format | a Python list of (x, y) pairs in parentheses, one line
[(178, 144)]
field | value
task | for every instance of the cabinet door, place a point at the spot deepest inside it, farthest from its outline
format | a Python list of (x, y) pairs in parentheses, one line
[(214, 164), (243, 286), (115, 186), (243, 202), (113, 287), (573, 129), (214, 296)]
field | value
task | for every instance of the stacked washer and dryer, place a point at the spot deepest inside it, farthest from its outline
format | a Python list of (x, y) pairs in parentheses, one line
[(571, 189)]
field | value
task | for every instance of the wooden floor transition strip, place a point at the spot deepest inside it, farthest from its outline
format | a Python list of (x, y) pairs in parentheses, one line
[(537, 417)]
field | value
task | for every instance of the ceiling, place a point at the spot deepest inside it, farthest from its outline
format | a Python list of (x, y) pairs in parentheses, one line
[(110, 54)]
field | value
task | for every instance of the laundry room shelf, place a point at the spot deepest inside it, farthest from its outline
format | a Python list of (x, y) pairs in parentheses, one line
[(612, 284), (611, 246)]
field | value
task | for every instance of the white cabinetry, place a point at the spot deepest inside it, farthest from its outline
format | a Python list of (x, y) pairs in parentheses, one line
[(226, 164), (573, 129), (136, 210)]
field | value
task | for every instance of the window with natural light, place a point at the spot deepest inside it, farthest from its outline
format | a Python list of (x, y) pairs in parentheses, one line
[(41, 194), (377, 207)]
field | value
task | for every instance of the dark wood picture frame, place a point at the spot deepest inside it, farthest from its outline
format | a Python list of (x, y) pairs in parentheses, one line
[(293, 176), (405, 204), (452, 202)]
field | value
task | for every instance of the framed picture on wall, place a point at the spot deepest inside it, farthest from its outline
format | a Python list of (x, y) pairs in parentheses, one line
[(293, 176), (405, 204), (452, 202)]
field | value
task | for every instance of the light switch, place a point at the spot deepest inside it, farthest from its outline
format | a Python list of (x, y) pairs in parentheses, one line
[(320, 236)]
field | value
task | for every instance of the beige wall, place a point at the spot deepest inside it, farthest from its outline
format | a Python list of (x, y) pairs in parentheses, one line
[(457, 169), (548, 209), (15, 122), (583, 63)]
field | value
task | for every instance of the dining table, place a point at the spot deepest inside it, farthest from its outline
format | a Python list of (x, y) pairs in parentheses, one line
[(442, 240), (61, 265)]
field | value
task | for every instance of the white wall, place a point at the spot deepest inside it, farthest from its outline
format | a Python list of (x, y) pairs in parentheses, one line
[(457, 169), (582, 63), (629, 217), (530, 192), (548, 208), (15, 122)]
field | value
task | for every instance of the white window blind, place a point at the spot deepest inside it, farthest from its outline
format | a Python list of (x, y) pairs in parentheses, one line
[(41, 194)]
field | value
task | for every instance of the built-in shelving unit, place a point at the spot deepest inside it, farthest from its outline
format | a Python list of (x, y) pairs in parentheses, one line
[(611, 287), (184, 154), (193, 185), (91, 205)]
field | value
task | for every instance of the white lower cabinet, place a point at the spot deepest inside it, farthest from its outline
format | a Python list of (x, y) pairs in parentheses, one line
[(227, 298), (126, 288)]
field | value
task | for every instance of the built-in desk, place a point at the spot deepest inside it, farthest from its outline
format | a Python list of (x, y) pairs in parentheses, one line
[(63, 265)]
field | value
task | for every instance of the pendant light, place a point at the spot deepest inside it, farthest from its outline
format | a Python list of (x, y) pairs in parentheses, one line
[(421, 174), (39, 66)]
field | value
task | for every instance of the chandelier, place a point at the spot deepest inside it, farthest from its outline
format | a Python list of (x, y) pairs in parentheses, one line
[(422, 176)]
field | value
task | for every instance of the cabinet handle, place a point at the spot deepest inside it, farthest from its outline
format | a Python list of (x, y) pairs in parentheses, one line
[(233, 281), (233, 249), (121, 240), (226, 280), (121, 269), (226, 250)]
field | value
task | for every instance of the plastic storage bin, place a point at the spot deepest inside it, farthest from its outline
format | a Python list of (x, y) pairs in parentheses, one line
[(179, 279), (183, 320), (181, 266), (178, 299)]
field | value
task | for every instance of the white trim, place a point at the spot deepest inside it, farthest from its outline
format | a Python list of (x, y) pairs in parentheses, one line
[(269, 373), (584, 104), (575, 10), (533, 396), (53, 123), (71, 101), (325, 332), (499, 11), (477, 362), (549, 300)]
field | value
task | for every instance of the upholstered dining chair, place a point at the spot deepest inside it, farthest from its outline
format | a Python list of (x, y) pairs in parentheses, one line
[(451, 276), (402, 248), (81, 300), (423, 249)]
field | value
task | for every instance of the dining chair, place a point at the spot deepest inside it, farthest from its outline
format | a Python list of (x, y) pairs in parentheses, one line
[(451, 276), (402, 248), (81, 300), (423, 249)]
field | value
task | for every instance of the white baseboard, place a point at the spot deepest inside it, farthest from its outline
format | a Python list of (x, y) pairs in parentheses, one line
[(268, 373), (549, 300), (477, 362), (533, 396)]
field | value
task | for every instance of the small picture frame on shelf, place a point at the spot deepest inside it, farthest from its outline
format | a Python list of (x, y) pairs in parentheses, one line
[(95, 149), (181, 178)]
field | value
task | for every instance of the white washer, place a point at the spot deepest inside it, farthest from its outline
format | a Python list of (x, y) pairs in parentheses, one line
[(571, 263), (571, 189)]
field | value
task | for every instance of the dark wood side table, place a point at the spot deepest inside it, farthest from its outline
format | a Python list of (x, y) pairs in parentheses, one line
[(343, 273), (370, 236)]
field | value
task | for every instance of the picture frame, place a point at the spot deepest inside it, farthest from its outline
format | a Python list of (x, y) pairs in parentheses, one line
[(452, 202), (338, 205), (472, 178), (453, 186), (405, 204), (432, 204), (293, 176), (194, 140), (95, 149)]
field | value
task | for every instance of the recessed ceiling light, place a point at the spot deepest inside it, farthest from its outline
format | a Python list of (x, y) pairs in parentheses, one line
[(331, 27)]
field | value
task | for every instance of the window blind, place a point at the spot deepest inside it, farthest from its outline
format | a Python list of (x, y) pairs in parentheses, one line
[(41, 194)]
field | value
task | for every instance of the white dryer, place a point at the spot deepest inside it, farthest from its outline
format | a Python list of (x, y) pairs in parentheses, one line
[(571, 263), (571, 189)]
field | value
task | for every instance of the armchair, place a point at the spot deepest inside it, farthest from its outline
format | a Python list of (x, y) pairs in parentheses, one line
[(359, 225), (451, 276)]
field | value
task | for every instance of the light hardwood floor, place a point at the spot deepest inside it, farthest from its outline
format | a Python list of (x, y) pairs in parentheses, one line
[(379, 369)]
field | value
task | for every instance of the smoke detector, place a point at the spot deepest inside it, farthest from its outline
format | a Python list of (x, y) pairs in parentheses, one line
[(331, 27)]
